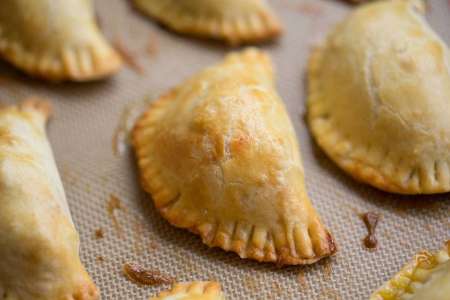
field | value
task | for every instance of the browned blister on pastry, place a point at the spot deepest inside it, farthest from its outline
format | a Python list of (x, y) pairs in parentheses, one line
[(198, 290), (426, 277), (379, 91), (220, 157), (38, 241), (55, 39), (235, 21)]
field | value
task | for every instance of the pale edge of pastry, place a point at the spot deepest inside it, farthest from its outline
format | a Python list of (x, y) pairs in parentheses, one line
[(62, 41), (198, 290), (358, 159), (304, 241), (426, 277), (38, 241), (246, 27)]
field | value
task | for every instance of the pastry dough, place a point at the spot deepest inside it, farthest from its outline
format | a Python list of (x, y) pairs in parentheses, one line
[(206, 290), (427, 277), (379, 93), (55, 39), (220, 157), (38, 241), (235, 21)]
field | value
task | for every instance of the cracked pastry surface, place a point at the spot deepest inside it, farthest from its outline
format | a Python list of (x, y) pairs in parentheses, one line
[(220, 157), (379, 91), (38, 241), (55, 40), (426, 277), (235, 21), (198, 290)]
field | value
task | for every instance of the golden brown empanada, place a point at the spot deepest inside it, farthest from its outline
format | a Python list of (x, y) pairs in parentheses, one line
[(220, 157), (55, 39), (379, 93), (199, 290), (426, 277), (235, 21), (38, 241)]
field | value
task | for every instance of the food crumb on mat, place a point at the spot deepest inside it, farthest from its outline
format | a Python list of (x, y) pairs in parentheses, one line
[(141, 276), (370, 219), (99, 234), (301, 278), (114, 205)]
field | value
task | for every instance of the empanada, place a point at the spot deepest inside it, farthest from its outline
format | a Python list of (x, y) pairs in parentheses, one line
[(379, 93), (38, 241), (426, 277), (55, 40), (220, 157), (199, 290), (235, 21)]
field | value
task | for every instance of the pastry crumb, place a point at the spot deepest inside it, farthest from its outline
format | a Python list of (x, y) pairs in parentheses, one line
[(100, 259), (302, 280), (328, 270), (114, 204), (370, 219), (141, 276), (138, 233), (99, 234)]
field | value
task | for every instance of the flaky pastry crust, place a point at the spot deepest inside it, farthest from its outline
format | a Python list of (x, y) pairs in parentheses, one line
[(379, 90), (426, 277), (235, 21), (220, 157), (38, 241), (198, 290), (55, 40)]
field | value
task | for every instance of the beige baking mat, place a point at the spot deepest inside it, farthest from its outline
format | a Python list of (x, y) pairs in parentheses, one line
[(85, 121)]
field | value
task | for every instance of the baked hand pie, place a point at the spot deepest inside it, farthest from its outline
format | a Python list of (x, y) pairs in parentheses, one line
[(235, 21), (379, 91), (426, 277), (38, 241), (199, 290), (55, 39), (220, 157)]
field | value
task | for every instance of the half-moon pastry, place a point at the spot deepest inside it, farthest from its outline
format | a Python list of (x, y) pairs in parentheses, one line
[(379, 91), (235, 21), (38, 241), (220, 157), (55, 39), (199, 290), (426, 277)]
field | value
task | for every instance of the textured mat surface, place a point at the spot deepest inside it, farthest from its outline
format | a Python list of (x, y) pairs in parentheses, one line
[(87, 117)]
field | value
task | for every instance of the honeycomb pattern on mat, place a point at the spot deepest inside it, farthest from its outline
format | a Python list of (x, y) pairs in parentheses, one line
[(86, 116)]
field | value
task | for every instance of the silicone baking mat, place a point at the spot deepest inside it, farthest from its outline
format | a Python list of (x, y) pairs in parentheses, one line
[(85, 123)]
